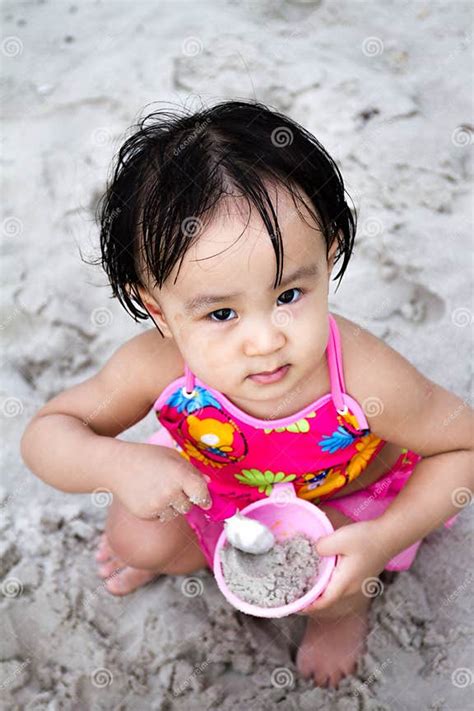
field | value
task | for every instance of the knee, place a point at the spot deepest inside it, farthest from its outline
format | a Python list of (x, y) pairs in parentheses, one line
[(130, 538), (137, 556), (152, 545), (161, 555)]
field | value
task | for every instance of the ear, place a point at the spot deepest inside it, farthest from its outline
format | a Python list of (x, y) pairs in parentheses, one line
[(155, 310)]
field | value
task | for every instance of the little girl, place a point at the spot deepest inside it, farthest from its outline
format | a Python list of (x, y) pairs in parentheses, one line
[(223, 227)]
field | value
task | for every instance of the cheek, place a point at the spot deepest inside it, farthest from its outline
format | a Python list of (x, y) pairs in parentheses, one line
[(189, 333), (215, 350), (308, 330), (202, 345)]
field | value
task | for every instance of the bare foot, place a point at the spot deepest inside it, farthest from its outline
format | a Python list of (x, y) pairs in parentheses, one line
[(120, 578), (331, 647)]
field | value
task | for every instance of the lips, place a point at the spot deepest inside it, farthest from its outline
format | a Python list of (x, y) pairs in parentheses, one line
[(272, 376), (269, 372)]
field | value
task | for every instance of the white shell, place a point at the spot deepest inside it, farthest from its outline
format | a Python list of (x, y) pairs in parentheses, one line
[(248, 535)]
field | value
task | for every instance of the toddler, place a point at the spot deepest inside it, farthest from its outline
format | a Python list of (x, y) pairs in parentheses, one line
[(209, 223)]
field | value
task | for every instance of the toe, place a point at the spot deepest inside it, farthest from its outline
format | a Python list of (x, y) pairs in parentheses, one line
[(110, 566), (104, 551), (114, 585), (334, 679), (321, 680), (129, 579)]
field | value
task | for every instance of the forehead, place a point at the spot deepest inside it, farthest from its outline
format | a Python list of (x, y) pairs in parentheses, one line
[(234, 252)]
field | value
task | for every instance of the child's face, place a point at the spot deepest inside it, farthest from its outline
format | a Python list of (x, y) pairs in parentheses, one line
[(259, 328)]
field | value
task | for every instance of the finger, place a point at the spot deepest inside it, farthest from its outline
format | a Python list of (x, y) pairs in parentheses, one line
[(333, 543), (328, 598), (167, 514), (181, 503), (197, 492), (317, 606), (331, 595), (321, 603)]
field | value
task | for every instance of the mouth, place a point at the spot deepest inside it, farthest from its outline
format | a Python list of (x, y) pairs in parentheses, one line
[(270, 376)]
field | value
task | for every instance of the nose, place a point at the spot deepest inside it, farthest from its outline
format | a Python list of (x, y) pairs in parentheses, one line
[(264, 337)]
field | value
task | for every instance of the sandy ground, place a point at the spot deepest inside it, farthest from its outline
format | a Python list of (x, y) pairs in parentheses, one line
[(385, 86)]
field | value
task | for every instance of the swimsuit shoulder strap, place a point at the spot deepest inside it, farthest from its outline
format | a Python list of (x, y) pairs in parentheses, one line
[(189, 376), (336, 373)]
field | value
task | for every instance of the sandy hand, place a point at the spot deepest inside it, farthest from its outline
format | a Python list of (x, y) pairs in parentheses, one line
[(157, 480)]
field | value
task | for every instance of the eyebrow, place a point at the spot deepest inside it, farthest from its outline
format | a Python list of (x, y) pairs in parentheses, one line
[(205, 300)]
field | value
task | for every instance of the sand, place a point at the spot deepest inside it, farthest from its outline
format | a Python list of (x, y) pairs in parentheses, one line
[(73, 84), (280, 576)]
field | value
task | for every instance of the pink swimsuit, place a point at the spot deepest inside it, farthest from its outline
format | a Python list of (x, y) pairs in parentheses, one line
[(320, 449)]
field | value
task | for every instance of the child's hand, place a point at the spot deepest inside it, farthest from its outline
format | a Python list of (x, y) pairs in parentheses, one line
[(154, 477), (361, 559)]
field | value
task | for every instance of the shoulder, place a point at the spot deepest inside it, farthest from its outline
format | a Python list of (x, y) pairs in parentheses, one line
[(401, 404), (367, 362), (357, 343), (357, 348), (123, 391), (155, 361)]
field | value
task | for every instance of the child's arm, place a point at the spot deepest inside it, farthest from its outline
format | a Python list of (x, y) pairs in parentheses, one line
[(412, 411), (70, 443)]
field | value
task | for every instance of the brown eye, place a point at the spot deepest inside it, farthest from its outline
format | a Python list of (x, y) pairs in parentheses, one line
[(289, 291), (219, 311)]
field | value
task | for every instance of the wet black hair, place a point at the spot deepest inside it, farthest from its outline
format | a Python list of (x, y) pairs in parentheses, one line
[(173, 171)]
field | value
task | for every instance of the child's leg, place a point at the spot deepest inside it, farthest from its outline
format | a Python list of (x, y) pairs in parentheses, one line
[(134, 551), (334, 637)]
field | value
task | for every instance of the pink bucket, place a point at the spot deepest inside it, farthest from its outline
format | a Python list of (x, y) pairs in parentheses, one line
[(286, 515)]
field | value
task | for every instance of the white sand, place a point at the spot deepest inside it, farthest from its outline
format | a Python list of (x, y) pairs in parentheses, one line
[(177, 644), (275, 578)]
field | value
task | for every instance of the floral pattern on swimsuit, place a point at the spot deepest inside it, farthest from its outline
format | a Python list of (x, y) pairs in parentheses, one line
[(320, 449)]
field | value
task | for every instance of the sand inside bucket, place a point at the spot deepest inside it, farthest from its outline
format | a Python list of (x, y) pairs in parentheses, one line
[(272, 579)]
